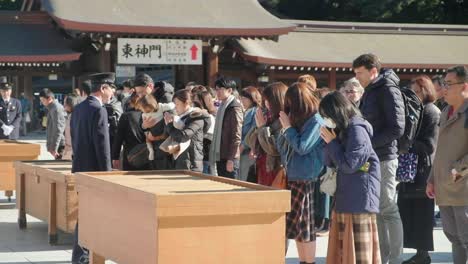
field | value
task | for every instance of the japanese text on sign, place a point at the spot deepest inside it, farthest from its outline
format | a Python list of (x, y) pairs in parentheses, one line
[(159, 51)]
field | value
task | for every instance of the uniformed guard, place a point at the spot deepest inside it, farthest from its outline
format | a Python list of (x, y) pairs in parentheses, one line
[(10, 112), (90, 138)]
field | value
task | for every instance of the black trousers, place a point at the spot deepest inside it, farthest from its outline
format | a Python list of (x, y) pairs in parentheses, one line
[(417, 214), (221, 169)]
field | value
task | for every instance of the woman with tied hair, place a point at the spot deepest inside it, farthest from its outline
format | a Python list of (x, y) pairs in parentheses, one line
[(188, 125), (353, 90), (300, 148), (416, 209), (205, 101), (353, 235), (309, 80), (251, 100), (129, 135), (261, 139)]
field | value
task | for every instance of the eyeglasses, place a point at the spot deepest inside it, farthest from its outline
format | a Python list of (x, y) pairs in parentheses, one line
[(447, 85)]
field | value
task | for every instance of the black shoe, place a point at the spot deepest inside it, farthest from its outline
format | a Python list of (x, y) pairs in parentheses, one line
[(418, 259)]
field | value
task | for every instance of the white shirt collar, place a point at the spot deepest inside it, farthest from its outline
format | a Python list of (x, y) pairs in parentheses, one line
[(100, 101)]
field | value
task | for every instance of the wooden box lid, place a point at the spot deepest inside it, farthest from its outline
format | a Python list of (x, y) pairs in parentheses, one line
[(186, 193), (54, 170), (11, 149)]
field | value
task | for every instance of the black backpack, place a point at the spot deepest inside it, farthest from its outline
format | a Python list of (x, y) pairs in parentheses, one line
[(413, 119)]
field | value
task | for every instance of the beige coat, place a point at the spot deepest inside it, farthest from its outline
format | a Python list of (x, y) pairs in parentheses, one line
[(452, 153)]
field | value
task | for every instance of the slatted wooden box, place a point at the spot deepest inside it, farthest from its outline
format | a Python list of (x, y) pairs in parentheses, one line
[(164, 217), (11, 151), (46, 190)]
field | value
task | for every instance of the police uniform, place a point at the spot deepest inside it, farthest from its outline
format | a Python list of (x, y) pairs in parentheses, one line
[(89, 130), (10, 113)]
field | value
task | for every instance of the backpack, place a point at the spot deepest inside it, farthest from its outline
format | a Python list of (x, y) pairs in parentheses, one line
[(413, 119)]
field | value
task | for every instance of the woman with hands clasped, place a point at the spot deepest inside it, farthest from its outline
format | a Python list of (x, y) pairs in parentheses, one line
[(261, 139), (353, 235), (300, 148)]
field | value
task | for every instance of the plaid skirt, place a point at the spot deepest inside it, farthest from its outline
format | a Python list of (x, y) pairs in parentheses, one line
[(300, 223), (353, 239)]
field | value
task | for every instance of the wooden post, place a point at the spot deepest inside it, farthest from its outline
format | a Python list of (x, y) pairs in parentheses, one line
[(95, 258), (332, 79), (213, 67), (52, 213), (22, 203)]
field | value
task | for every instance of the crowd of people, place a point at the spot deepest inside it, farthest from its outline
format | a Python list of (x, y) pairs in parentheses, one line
[(388, 151)]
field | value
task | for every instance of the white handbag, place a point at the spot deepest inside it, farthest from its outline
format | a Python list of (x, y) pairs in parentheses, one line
[(328, 181)]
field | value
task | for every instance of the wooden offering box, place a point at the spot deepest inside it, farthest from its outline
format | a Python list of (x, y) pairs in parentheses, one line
[(11, 151), (46, 190), (163, 217)]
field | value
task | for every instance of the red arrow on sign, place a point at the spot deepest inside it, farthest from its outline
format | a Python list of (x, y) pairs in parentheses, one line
[(194, 50)]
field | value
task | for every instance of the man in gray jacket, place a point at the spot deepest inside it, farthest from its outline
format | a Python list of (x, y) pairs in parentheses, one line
[(55, 123), (448, 181)]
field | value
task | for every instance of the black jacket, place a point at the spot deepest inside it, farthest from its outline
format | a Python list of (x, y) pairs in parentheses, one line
[(382, 105), (163, 92), (129, 134), (114, 111), (424, 146), (10, 115), (90, 137), (196, 125)]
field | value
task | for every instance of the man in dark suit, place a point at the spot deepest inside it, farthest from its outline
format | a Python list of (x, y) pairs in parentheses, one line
[(90, 138), (10, 112)]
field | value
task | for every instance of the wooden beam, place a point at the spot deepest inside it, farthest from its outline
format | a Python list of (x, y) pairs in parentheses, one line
[(332, 79), (213, 67)]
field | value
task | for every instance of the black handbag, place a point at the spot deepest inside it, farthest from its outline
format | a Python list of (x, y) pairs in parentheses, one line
[(137, 157)]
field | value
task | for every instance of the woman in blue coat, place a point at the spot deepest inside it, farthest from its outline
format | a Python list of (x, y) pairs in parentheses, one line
[(353, 235), (300, 148)]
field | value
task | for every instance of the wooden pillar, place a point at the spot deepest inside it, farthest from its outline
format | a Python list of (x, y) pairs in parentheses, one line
[(52, 213), (105, 60), (213, 67), (332, 79), (21, 196)]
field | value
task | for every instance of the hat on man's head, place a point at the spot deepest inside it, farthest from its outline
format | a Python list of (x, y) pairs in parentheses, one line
[(102, 78), (4, 84)]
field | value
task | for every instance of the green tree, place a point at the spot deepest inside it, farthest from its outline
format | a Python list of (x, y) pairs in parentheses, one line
[(10, 4), (396, 11)]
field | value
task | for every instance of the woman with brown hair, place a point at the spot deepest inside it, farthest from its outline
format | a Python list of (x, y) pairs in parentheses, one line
[(261, 139), (129, 135), (251, 100), (205, 101), (416, 209), (188, 125), (300, 147), (309, 80)]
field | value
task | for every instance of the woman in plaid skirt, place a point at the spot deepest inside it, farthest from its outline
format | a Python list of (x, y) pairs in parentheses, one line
[(353, 234), (300, 148)]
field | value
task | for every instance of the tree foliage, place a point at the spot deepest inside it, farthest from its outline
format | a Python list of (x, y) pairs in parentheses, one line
[(10, 4), (393, 11)]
